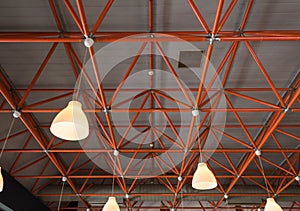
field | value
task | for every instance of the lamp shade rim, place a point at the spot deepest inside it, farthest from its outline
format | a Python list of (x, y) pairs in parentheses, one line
[(204, 185), (69, 126)]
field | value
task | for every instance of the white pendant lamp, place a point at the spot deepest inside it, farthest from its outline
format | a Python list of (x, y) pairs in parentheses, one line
[(1, 180), (70, 123), (111, 205), (271, 205), (203, 178)]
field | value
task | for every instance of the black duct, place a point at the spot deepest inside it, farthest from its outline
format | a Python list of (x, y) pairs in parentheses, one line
[(17, 197)]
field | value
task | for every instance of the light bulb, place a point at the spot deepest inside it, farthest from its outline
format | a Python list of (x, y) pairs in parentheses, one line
[(70, 123), (203, 178), (111, 205), (1, 180), (271, 205)]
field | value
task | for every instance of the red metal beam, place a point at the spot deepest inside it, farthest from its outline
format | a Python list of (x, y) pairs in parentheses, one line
[(55, 15), (108, 176), (162, 109), (246, 15), (226, 14), (37, 75), (127, 73), (150, 15), (20, 154), (217, 17), (241, 123), (179, 150), (82, 17), (263, 138), (199, 16), (102, 16), (264, 72), (32, 126), (172, 70), (74, 16)]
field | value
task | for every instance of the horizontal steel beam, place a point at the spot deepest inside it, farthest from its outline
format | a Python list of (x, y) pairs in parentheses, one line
[(147, 176), (163, 36), (234, 150), (147, 110)]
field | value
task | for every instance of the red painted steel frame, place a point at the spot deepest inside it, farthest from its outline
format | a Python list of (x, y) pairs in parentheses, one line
[(284, 176)]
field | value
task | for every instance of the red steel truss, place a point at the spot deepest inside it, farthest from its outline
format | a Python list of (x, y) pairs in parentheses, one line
[(51, 150)]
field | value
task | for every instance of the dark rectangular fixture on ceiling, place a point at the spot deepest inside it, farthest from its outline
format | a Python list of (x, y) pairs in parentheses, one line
[(190, 59), (17, 198)]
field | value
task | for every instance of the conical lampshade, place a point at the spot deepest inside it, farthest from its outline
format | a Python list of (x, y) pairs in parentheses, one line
[(70, 123), (203, 178), (111, 205), (271, 205), (1, 180)]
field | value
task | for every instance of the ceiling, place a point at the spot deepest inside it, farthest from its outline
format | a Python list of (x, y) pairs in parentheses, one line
[(241, 71)]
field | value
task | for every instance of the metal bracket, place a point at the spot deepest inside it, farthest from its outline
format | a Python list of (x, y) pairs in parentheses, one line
[(213, 38)]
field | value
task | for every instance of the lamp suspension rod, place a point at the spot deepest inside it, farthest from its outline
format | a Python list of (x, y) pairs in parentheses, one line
[(114, 172), (200, 143), (64, 179), (264, 176), (7, 136), (80, 75)]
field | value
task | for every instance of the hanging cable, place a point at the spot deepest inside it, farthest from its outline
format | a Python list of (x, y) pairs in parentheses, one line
[(181, 198), (264, 176), (7, 136), (3, 147), (64, 179), (226, 201), (80, 76), (198, 136), (114, 172)]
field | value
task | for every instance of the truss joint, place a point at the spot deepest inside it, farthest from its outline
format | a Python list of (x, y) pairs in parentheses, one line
[(257, 152), (88, 41), (116, 152), (241, 31), (286, 109), (64, 179), (213, 38), (106, 110), (46, 151), (195, 111), (16, 113), (60, 34)]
